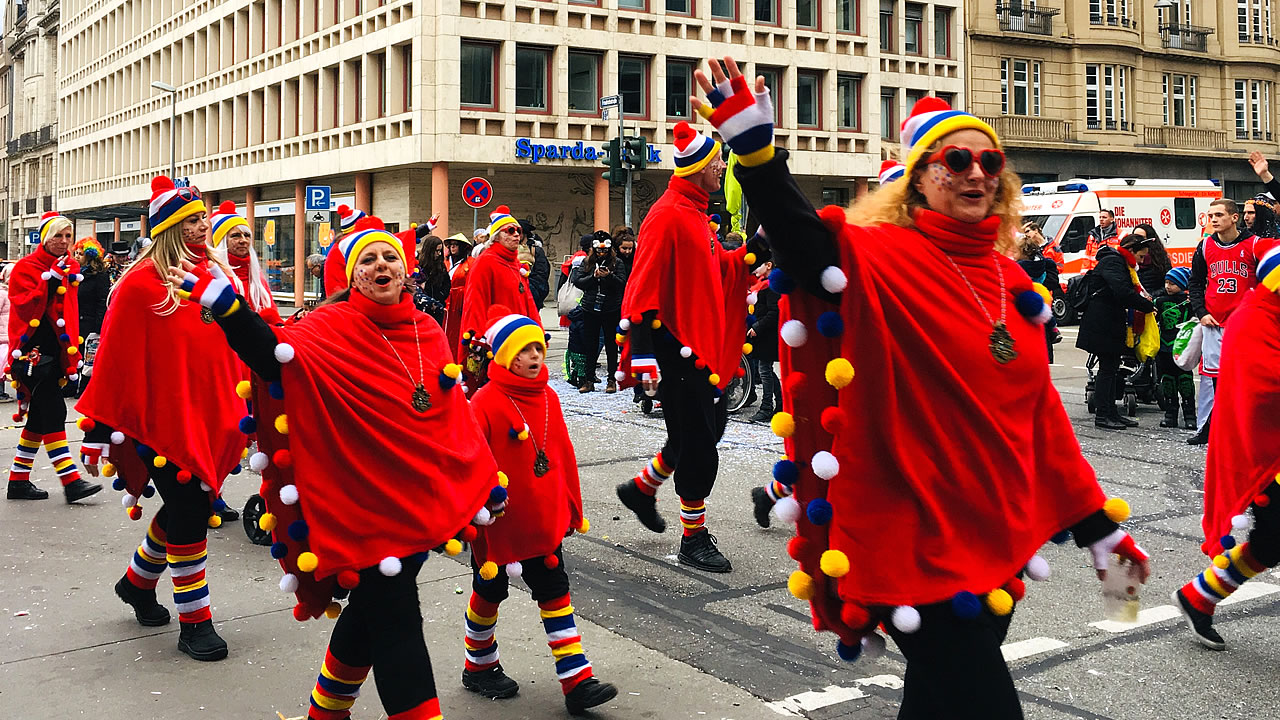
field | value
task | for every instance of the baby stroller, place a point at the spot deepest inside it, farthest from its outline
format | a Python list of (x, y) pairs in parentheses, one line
[(1137, 381)]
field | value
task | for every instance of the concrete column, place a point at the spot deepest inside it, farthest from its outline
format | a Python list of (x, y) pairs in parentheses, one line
[(364, 192), (440, 196), (250, 198), (859, 188), (299, 241), (143, 230), (601, 204), (115, 231)]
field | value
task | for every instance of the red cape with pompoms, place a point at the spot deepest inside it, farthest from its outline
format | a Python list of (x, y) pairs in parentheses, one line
[(31, 297), (453, 311), (495, 279), (375, 477), (167, 381), (1244, 437), (240, 265), (335, 266), (540, 510)]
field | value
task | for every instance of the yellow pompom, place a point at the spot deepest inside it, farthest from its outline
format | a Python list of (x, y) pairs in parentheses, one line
[(453, 370), (1044, 293), (999, 602), (489, 355), (1221, 562), (489, 570), (73, 350), (62, 382), (466, 335), (800, 585), (523, 435), (14, 384), (75, 283), (1116, 509), (655, 324), (62, 290), (160, 461), (80, 423), (307, 562), (619, 338), (834, 563), (35, 323), (282, 424), (502, 479), (244, 389), (108, 470), (267, 522), (333, 611), (81, 340), (215, 520), (751, 309), (452, 547), (749, 258), (714, 379), (839, 373), (747, 348), (783, 424), (584, 526), (244, 453)]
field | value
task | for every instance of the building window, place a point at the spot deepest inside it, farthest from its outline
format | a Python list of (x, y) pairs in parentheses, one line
[(888, 28), (807, 14), (849, 102), (584, 82), (532, 78), (633, 85), (478, 74), (809, 99), (889, 113), (1253, 18), (948, 98), (1253, 109), (1242, 113), (1106, 97), (633, 4), (913, 38), (1179, 100), (847, 14), (942, 32), (724, 9), (1019, 87), (679, 88), (767, 12), (679, 7), (773, 81), (406, 68), (1110, 12)]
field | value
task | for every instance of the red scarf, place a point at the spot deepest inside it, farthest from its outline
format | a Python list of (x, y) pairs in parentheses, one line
[(167, 381), (495, 279), (31, 298), (540, 509), (240, 265), (377, 478)]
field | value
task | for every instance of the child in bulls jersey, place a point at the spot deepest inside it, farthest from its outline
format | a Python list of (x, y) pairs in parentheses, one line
[(522, 420)]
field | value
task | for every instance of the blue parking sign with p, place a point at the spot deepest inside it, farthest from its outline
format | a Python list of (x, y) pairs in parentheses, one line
[(33, 237), (317, 197)]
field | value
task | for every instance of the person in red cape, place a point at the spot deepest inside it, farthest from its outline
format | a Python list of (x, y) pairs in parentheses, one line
[(44, 343), (521, 418), (1242, 472), (948, 454), (335, 277), (370, 392), (459, 261), (175, 426), (684, 338), (231, 241)]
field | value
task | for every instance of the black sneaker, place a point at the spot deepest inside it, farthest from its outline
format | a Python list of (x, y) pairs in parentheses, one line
[(26, 490), (229, 514), (762, 504), (1106, 423), (763, 415), (1201, 625), (1201, 437), (699, 551), (1128, 422), (201, 641), (1170, 420), (644, 506), (492, 683), (80, 489), (588, 694), (145, 608)]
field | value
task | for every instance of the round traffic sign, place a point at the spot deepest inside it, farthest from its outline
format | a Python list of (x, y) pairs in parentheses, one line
[(477, 192)]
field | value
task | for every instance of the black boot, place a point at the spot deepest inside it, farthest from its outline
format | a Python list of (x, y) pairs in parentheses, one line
[(1201, 625), (145, 608), (1126, 421), (644, 506), (1189, 410), (201, 641), (25, 490), (588, 694), (1201, 437), (762, 505), (763, 415), (229, 514), (699, 551), (80, 489), (492, 683), (1107, 422), (751, 397)]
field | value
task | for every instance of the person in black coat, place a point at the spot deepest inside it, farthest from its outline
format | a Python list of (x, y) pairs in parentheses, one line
[(762, 335), (540, 272), (431, 279), (93, 292), (1103, 329), (602, 278)]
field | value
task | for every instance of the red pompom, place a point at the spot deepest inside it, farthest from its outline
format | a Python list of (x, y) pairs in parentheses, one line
[(1016, 589), (496, 313), (700, 363), (793, 381), (740, 373), (344, 210), (683, 134), (48, 215), (17, 417), (227, 207), (928, 104), (468, 534), (552, 562), (502, 210), (282, 458), (349, 579), (161, 183), (1262, 500), (264, 489), (184, 476), (300, 613), (855, 616), (833, 218), (799, 548), (834, 420), (368, 222), (135, 513), (87, 424)]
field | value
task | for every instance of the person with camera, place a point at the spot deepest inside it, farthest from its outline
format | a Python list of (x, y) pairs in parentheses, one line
[(602, 278)]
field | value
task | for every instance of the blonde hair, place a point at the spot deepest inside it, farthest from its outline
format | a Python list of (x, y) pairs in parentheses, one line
[(57, 225), (168, 250)]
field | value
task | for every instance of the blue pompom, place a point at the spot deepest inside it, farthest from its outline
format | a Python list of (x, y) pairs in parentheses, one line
[(141, 449), (219, 505), (423, 556), (1029, 303), (751, 320), (235, 470), (276, 390), (780, 282), (819, 511), (279, 550), (1061, 537), (149, 491), (830, 324), (446, 382), (966, 605), (513, 433), (23, 338), (716, 392), (497, 495), (1228, 542), (64, 337), (848, 653), (118, 483), (786, 472), (298, 530), (248, 425)]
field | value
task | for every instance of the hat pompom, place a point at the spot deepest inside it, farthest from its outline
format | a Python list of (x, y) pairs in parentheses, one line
[(929, 103), (683, 134), (344, 209), (833, 217), (227, 207), (161, 183), (906, 619), (369, 222)]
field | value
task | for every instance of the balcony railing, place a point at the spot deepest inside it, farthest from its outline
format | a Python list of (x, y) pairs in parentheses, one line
[(1112, 20), (11, 147), (1017, 18), (47, 135), (1018, 127), (1122, 126), (1185, 138), (1185, 37)]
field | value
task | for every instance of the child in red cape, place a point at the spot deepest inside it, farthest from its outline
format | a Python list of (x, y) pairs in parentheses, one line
[(522, 420)]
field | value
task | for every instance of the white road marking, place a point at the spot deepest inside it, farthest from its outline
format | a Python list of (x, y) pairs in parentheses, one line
[(1251, 591), (796, 705), (1027, 648), (1056, 365), (1150, 616), (1079, 367)]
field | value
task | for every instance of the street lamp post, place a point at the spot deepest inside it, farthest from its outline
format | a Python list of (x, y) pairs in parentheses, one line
[(173, 121)]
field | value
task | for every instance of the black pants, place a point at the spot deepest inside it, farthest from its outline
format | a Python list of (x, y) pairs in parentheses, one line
[(695, 421), (593, 324), (1105, 386), (955, 670), (545, 584), (186, 510), (770, 386), (48, 410), (382, 627)]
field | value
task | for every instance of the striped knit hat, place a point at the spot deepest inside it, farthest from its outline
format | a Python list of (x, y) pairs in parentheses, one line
[(891, 170), (508, 334), (932, 119), (367, 231), (1179, 276), (500, 218), (347, 218), (170, 205), (51, 223), (223, 219), (1268, 252), (693, 149)]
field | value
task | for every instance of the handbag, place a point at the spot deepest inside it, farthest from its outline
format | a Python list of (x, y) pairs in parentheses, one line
[(568, 296), (1186, 346)]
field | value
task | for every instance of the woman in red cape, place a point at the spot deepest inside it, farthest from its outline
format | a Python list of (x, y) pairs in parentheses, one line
[(387, 457), (931, 477)]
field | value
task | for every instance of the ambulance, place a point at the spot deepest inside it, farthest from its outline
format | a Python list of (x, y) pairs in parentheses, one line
[(1066, 212)]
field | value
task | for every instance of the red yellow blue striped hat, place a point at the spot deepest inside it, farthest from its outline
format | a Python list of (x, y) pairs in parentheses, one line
[(170, 204), (932, 119), (51, 223), (367, 230), (1268, 251)]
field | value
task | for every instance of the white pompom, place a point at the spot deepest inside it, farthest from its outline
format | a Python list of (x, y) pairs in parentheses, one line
[(686, 352), (284, 353), (117, 438), (289, 494), (620, 376), (872, 646), (46, 275), (624, 324), (906, 619), (1240, 522), (1038, 569), (825, 465), (651, 393), (464, 389), (514, 569), (128, 500), (289, 583), (258, 462), (794, 333), (61, 323), (1043, 317), (483, 517), (206, 486), (834, 279), (74, 377), (16, 354), (752, 298), (787, 509), (80, 365), (390, 566)]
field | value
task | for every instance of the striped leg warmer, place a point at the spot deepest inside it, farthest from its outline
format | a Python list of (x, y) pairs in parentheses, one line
[(56, 445), (693, 515), (150, 559), (1227, 573), (481, 644), (572, 666), (25, 459), (428, 710), (653, 475), (336, 689), (190, 589), (776, 490)]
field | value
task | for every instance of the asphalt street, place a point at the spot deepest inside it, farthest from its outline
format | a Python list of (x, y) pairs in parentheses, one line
[(679, 643)]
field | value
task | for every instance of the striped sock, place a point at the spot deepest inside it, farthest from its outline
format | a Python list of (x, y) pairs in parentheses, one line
[(481, 644), (25, 459), (55, 444), (190, 589), (776, 490), (149, 560), (572, 666), (427, 710), (337, 688), (693, 515), (1227, 573), (653, 475)]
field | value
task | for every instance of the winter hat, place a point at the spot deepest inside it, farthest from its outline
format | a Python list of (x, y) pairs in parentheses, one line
[(51, 223), (508, 334), (89, 246), (500, 218), (1268, 252), (170, 204), (348, 217), (1179, 276), (478, 232), (891, 170), (367, 230), (693, 149), (223, 219), (931, 119)]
